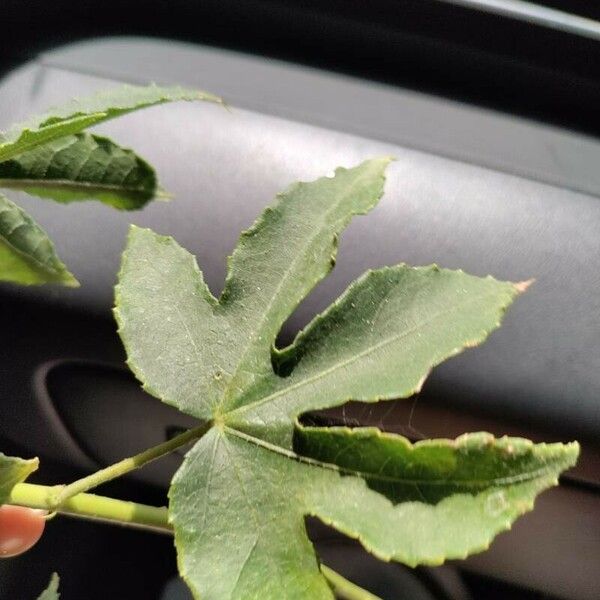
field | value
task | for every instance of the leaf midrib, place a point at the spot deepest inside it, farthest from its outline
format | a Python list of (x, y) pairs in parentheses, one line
[(16, 183), (30, 256), (355, 357), (43, 135), (472, 483), (275, 296)]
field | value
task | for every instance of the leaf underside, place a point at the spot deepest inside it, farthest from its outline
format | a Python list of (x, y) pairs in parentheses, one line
[(239, 500), (77, 115), (27, 256), (51, 592), (81, 167)]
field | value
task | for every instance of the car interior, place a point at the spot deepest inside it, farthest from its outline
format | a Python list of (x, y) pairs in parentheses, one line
[(491, 109)]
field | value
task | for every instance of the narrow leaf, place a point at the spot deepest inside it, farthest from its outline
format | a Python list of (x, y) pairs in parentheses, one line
[(51, 592), (27, 255), (162, 297), (431, 470), (418, 532), (378, 341), (12, 471), (81, 167), (289, 249), (77, 115)]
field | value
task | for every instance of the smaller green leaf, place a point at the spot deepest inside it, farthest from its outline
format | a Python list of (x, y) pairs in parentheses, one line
[(77, 115), (51, 592), (81, 167), (14, 470), (27, 255)]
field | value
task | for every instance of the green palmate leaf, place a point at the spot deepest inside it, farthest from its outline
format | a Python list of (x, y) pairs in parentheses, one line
[(27, 255), (78, 115), (51, 592), (239, 500), (12, 471), (81, 167)]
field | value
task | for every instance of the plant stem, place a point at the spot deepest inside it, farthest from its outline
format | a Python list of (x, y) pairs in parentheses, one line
[(142, 516), (90, 506), (344, 589), (72, 500), (62, 494)]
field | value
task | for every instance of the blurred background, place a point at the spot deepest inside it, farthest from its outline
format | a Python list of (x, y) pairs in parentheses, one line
[(492, 110)]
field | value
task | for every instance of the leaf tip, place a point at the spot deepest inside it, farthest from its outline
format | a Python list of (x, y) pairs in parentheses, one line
[(382, 162), (573, 449), (134, 230), (523, 286), (163, 195), (221, 102), (70, 281)]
